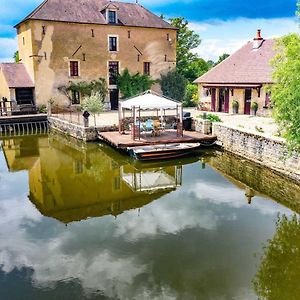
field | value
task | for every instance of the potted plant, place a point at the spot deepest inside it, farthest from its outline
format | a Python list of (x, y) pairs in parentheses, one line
[(254, 108), (235, 106)]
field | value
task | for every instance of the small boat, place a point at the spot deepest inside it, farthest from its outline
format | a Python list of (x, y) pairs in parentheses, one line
[(162, 151)]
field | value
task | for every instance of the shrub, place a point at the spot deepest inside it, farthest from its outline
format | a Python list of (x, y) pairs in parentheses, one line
[(132, 85), (254, 106), (85, 88), (173, 85), (42, 109), (93, 104), (210, 117), (235, 104), (191, 97)]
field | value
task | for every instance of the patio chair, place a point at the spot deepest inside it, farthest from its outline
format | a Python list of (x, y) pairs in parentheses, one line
[(149, 125), (140, 125), (157, 128)]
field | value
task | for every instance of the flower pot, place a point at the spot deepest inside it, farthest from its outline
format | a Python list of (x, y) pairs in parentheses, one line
[(235, 110)]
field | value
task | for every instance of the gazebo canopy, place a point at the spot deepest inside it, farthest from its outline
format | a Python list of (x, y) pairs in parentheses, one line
[(149, 101)]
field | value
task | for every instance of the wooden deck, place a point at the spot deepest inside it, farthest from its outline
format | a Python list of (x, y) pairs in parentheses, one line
[(22, 119), (123, 141)]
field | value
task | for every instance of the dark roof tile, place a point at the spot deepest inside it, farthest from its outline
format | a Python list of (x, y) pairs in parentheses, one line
[(90, 12), (16, 75), (244, 66)]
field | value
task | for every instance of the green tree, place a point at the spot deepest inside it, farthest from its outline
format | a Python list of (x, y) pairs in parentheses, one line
[(94, 104), (16, 57), (173, 85), (221, 58), (196, 68), (286, 90), (187, 40), (132, 85), (210, 64), (279, 271), (191, 96)]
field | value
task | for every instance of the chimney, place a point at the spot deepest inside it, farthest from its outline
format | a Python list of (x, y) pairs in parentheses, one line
[(258, 40)]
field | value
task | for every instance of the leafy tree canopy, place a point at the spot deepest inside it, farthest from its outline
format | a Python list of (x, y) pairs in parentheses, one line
[(132, 85), (173, 85), (187, 40), (196, 68), (16, 57), (85, 88), (221, 58), (191, 97), (94, 103), (286, 90)]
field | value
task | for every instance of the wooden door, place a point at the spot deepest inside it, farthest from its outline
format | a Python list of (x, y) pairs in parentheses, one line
[(114, 99), (248, 96), (221, 100), (226, 102), (213, 100)]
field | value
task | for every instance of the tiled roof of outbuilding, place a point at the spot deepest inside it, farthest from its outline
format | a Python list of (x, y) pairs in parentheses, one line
[(91, 12), (16, 75), (247, 65)]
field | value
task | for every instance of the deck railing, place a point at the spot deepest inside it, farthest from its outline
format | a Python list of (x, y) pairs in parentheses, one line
[(24, 128), (10, 108)]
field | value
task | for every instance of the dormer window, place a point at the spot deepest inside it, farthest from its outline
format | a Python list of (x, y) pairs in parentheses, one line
[(110, 12), (112, 17)]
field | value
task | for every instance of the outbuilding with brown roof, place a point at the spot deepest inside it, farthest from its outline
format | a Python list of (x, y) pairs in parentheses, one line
[(240, 78)]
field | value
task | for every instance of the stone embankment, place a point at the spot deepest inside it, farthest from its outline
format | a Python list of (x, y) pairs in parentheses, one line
[(87, 134), (271, 152), (264, 149)]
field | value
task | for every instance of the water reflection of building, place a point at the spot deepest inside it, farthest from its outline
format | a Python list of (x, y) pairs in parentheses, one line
[(70, 183), (256, 180)]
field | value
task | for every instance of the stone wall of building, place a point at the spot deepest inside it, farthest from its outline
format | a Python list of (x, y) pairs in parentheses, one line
[(46, 49), (270, 152)]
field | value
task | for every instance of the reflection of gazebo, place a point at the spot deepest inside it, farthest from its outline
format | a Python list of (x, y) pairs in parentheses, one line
[(152, 180), (149, 102)]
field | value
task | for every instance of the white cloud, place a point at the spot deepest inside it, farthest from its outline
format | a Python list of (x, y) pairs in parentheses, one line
[(220, 37), (8, 47)]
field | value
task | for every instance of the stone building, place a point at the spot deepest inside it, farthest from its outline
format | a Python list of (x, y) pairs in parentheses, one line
[(243, 77), (66, 40)]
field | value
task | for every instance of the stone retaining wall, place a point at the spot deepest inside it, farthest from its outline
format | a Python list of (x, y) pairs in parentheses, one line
[(87, 134), (270, 152)]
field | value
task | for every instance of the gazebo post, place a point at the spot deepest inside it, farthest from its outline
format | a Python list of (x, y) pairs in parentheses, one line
[(181, 120), (120, 118), (124, 117), (177, 117), (134, 121), (139, 123)]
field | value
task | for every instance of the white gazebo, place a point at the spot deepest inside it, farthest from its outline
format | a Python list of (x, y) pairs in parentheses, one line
[(149, 101)]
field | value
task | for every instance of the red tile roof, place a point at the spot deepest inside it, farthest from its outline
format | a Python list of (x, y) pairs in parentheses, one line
[(244, 66), (16, 75), (91, 12)]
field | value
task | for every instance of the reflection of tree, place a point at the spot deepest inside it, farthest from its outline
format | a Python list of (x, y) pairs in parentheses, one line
[(279, 273)]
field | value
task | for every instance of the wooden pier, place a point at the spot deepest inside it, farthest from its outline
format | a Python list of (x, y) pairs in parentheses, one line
[(124, 141)]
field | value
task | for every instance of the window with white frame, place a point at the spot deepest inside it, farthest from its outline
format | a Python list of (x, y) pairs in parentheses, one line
[(74, 68), (112, 16), (113, 43), (75, 96)]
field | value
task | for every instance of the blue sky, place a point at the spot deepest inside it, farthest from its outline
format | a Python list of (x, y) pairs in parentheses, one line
[(224, 25)]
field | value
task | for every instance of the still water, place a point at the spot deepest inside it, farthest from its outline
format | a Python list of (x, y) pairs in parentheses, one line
[(85, 222)]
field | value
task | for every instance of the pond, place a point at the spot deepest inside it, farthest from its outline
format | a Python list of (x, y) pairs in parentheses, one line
[(83, 221)]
